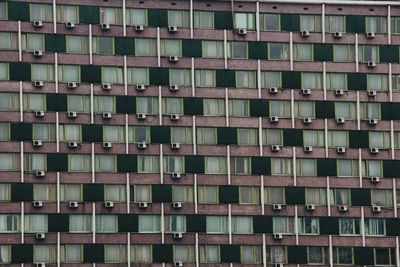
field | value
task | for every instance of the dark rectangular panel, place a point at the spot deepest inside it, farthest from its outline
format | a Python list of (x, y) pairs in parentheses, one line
[(329, 225), (364, 256), (292, 137), (57, 162), (291, 80), (258, 50), (360, 197), (20, 71), (18, 11), (223, 20), (297, 254), (160, 134), (357, 81), (228, 194), (323, 52), (58, 222), (225, 78), (128, 223), (56, 102), (162, 253), (230, 253), (196, 223), (126, 163), (326, 167), (93, 192), (21, 131), (124, 46), (161, 193), (21, 192), (126, 104), (92, 133), (290, 22), (324, 109), (262, 224), (260, 166), (89, 14), (159, 76), (194, 164), (21, 253), (193, 106), (55, 43), (93, 253), (191, 48), (358, 139), (389, 53), (259, 107), (158, 17), (90, 74), (295, 195), (226, 135)]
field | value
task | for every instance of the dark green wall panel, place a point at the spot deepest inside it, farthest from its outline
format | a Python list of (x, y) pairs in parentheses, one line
[(124, 46), (126, 104), (55, 43), (364, 256), (93, 253), (56, 102), (58, 222), (90, 74), (258, 50), (355, 24), (358, 139), (389, 53), (226, 135), (22, 253), (126, 163), (290, 22), (230, 253), (391, 168), (162, 253), (262, 224), (295, 195), (21, 131), (20, 71), (21, 192), (291, 80), (326, 167), (161, 193), (158, 17), (18, 11), (194, 164), (93, 192), (325, 109), (191, 48), (223, 20), (160, 134), (259, 107), (225, 78), (329, 225), (357, 81), (228, 194), (159, 76), (297, 254), (292, 137), (360, 197), (57, 162), (260, 165), (89, 14), (193, 106), (128, 223), (323, 52), (92, 133), (196, 223)]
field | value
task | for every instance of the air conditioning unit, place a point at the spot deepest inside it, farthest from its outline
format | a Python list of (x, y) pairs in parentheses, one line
[(174, 87), (376, 208), (71, 114), (176, 175), (340, 120), (307, 120), (242, 31), (73, 204), (72, 85), (108, 204), (305, 33), (38, 53), (38, 24), (341, 150), (140, 87), (276, 148), (175, 145), (178, 235), (374, 150), (306, 91), (106, 86), (277, 206), (107, 145), (308, 149), (178, 263), (40, 236), (39, 113), (375, 179), (173, 59), (278, 264), (38, 83), (37, 143), (40, 173), (143, 205), (343, 208), (174, 117), (371, 64), (370, 34), (273, 90), (139, 28), (373, 121), (177, 205), (310, 207), (72, 144), (274, 119), (142, 145), (37, 204), (39, 264), (107, 115), (105, 26), (371, 93), (278, 236), (70, 24), (173, 29), (141, 116), (337, 34), (339, 92)]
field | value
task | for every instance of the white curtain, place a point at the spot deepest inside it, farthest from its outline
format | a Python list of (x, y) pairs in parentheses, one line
[(272, 137), (68, 73), (114, 133), (312, 80), (145, 47), (5, 192), (9, 223), (170, 48), (105, 163), (215, 165), (41, 192), (35, 162), (77, 44), (41, 12), (141, 253), (180, 77), (44, 132), (149, 223), (179, 18), (79, 103), (203, 20), (374, 226), (212, 49), (270, 79), (209, 253), (281, 166), (184, 253), (205, 78), (280, 108), (35, 223), (242, 225), (278, 254), (316, 196), (44, 253), (6, 162), (177, 223), (214, 107), (306, 167), (70, 132), (42, 72), (111, 15), (376, 24), (181, 135), (137, 76), (148, 105), (142, 193), (337, 139), (282, 225), (79, 162), (114, 253), (34, 42), (5, 254), (70, 192), (310, 23), (313, 138), (276, 195), (269, 22), (336, 81), (303, 52), (245, 79), (305, 109), (66, 13), (217, 224), (115, 193), (148, 164), (80, 223), (71, 253), (206, 136), (343, 53), (135, 16), (182, 193), (172, 105), (239, 108), (207, 194), (345, 110), (173, 164), (335, 23), (278, 51)]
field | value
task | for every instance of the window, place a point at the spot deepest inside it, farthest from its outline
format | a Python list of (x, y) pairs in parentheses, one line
[(280, 108), (314, 138), (77, 44), (45, 253), (44, 192), (179, 18), (382, 197), (170, 47), (216, 224), (9, 223), (105, 163), (35, 162), (247, 136), (182, 193), (281, 166), (174, 164), (395, 83), (239, 108), (106, 223), (335, 23), (103, 45), (116, 193), (213, 107), (111, 15), (176, 223), (237, 50), (340, 196), (114, 253), (67, 13), (245, 21), (336, 81), (318, 255), (278, 51), (31, 42), (303, 52), (246, 79), (376, 24), (115, 133), (181, 135), (41, 12), (184, 253), (145, 47), (79, 103), (136, 16), (343, 53), (215, 165), (338, 139), (148, 164), (347, 168), (44, 131), (385, 256), (172, 105), (310, 23), (207, 194), (180, 77), (8, 41), (276, 254), (272, 137), (206, 136), (342, 255), (349, 226), (79, 163), (71, 192), (274, 195), (9, 162), (80, 223), (306, 167), (271, 79), (368, 53), (379, 139), (379, 82), (205, 78), (311, 80), (251, 254), (240, 165), (304, 109), (370, 111), (147, 105), (42, 72), (346, 110), (4, 131), (308, 225), (282, 225), (249, 195), (316, 196), (35, 223), (142, 193), (374, 226), (3, 10), (5, 250), (149, 223), (112, 75), (141, 253), (395, 24), (213, 49), (270, 22), (203, 20), (5, 192), (139, 134), (4, 73), (69, 73), (209, 253), (104, 104)]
